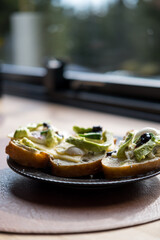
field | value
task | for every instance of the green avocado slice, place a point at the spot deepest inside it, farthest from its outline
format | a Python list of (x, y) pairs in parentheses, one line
[(87, 144), (122, 148), (81, 130), (141, 152), (27, 142), (91, 135), (20, 133), (34, 126), (49, 137)]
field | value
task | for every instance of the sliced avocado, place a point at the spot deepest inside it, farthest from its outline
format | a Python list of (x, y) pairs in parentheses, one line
[(81, 130), (87, 144), (141, 152), (21, 132), (91, 135), (34, 126), (51, 139), (28, 142), (122, 148), (59, 138)]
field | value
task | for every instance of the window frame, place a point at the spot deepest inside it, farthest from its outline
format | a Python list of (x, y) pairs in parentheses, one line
[(123, 95)]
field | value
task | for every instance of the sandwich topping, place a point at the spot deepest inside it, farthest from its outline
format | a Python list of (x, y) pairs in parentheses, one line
[(41, 136), (139, 145), (86, 143), (91, 139)]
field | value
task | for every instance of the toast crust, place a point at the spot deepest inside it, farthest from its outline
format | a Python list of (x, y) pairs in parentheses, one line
[(61, 169), (113, 168), (27, 158)]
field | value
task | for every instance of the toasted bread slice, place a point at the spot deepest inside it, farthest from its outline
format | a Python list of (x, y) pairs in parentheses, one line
[(27, 157), (116, 168), (88, 165)]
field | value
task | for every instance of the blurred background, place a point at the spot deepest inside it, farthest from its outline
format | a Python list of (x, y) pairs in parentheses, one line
[(103, 35), (99, 54)]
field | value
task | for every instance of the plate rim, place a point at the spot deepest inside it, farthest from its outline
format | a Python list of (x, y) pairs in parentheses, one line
[(78, 181)]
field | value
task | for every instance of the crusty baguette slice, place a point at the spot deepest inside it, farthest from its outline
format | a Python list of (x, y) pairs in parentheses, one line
[(25, 157), (115, 168), (71, 169)]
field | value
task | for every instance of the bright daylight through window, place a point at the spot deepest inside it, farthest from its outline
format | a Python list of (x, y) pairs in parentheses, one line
[(115, 36), (108, 52)]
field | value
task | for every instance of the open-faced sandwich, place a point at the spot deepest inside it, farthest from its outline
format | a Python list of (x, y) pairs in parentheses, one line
[(30, 146), (137, 153), (81, 154)]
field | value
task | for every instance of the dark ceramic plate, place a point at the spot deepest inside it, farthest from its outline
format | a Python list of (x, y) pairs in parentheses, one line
[(94, 182)]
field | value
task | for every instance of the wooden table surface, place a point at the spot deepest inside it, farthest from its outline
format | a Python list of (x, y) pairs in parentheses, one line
[(15, 112)]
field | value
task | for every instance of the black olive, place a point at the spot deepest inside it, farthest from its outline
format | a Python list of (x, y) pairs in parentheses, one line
[(97, 129), (143, 139), (110, 153), (46, 125)]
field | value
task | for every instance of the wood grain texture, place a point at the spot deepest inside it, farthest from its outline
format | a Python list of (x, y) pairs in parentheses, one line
[(16, 112)]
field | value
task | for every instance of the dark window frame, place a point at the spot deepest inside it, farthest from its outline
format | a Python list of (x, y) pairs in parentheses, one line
[(124, 95)]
